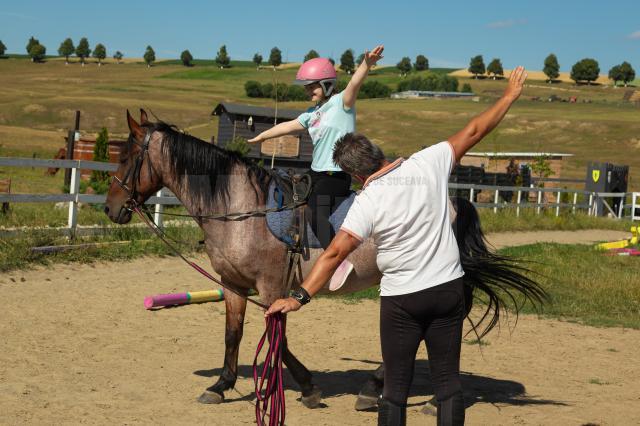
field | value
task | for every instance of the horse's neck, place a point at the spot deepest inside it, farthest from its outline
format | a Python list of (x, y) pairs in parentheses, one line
[(242, 194)]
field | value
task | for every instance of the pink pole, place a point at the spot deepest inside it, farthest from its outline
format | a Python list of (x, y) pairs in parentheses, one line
[(166, 300)]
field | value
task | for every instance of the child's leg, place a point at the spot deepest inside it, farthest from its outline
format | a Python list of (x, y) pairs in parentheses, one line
[(328, 191)]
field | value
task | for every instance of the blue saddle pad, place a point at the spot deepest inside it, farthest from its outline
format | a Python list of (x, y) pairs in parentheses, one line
[(279, 223)]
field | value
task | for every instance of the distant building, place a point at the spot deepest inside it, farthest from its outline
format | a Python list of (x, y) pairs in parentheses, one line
[(416, 94), (247, 121), (497, 162)]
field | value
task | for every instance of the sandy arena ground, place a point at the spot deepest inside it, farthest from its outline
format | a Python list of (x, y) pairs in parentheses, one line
[(78, 347)]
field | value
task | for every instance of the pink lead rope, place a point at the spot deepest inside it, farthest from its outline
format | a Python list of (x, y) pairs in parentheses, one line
[(269, 401)]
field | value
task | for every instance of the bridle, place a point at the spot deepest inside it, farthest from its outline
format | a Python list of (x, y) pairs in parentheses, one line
[(133, 173)]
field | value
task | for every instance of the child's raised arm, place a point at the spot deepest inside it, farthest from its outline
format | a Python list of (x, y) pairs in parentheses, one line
[(350, 93), (286, 128)]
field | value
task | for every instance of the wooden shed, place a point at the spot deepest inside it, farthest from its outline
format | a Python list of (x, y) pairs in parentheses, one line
[(247, 121)]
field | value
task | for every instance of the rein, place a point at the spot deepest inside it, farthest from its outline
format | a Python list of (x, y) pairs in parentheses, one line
[(270, 401)]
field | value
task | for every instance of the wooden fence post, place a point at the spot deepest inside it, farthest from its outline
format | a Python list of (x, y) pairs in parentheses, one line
[(495, 202), (558, 203), (575, 200), (157, 215), (74, 189), (518, 203)]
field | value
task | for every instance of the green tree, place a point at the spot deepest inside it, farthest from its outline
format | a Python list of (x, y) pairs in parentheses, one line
[(615, 74), (32, 42), (404, 66), (333, 62), (347, 61), (476, 66), (421, 64), (82, 49), (100, 153), (360, 59), (627, 72), (551, 68), (257, 59), (466, 88), (239, 145), (275, 57), (149, 56), (118, 56), (586, 69), (100, 52), (37, 52), (495, 68), (312, 54), (3, 48), (66, 49), (222, 58), (186, 58)]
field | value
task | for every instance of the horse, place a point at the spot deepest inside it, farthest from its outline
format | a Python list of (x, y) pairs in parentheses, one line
[(209, 180)]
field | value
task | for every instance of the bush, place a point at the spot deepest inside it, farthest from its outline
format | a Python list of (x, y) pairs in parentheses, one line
[(253, 89), (239, 145), (297, 93), (374, 89), (466, 88), (267, 90), (430, 82)]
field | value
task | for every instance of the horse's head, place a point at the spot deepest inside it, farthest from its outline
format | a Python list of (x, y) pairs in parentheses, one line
[(136, 179)]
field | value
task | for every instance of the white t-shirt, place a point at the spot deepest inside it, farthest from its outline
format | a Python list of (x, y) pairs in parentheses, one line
[(404, 207)]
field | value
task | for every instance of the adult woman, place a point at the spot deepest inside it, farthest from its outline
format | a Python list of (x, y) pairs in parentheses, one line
[(332, 117)]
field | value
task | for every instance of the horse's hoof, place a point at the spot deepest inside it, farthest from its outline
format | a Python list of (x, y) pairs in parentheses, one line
[(210, 397), (429, 409), (366, 403), (312, 400)]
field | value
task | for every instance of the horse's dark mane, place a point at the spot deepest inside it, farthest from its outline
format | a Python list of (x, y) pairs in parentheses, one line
[(200, 162)]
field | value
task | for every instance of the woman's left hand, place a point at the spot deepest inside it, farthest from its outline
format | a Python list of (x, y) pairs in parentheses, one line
[(371, 58), (283, 305)]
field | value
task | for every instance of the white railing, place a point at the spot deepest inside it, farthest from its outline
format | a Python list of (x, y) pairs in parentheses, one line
[(590, 204), (74, 197)]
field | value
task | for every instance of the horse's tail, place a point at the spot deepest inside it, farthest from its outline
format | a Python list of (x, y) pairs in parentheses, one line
[(499, 277)]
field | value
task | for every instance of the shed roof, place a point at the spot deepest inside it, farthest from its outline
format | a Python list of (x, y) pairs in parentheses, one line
[(255, 111)]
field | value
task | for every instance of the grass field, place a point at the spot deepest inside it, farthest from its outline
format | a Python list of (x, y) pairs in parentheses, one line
[(39, 100)]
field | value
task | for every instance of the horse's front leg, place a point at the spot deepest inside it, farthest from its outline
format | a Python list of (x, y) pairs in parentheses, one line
[(236, 307)]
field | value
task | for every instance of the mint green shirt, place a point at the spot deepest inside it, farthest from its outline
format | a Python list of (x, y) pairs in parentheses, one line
[(326, 124)]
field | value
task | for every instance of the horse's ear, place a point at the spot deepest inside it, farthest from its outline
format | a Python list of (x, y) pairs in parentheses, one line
[(144, 119), (134, 127)]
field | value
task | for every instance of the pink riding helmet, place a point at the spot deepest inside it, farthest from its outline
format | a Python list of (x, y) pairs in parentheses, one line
[(318, 70)]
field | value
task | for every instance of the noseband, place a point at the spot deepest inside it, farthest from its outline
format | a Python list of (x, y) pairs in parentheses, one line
[(133, 173)]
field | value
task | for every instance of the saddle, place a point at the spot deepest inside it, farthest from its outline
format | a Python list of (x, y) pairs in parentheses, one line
[(290, 225), (282, 224)]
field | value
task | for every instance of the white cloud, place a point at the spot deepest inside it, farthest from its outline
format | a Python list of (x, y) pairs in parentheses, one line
[(506, 23), (635, 35)]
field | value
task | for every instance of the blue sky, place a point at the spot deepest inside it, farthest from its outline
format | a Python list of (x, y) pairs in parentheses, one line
[(447, 32)]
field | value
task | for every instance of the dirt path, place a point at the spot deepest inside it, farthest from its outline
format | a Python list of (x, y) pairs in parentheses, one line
[(78, 347)]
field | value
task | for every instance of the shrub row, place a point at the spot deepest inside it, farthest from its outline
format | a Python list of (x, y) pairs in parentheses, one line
[(285, 92), (431, 82)]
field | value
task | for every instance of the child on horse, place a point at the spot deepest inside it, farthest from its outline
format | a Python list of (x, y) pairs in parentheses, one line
[(332, 117)]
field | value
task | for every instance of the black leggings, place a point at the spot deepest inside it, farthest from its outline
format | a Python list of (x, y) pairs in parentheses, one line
[(434, 315), (329, 190)]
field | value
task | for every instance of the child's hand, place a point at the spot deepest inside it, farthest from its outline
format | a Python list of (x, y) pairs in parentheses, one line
[(371, 58), (257, 139)]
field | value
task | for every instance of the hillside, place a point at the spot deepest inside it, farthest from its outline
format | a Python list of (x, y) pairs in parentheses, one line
[(39, 100)]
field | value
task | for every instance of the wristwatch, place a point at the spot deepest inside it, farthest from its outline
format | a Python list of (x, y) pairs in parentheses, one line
[(301, 296)]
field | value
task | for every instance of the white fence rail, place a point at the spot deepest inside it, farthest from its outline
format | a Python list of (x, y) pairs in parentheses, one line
[(591, 203)]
